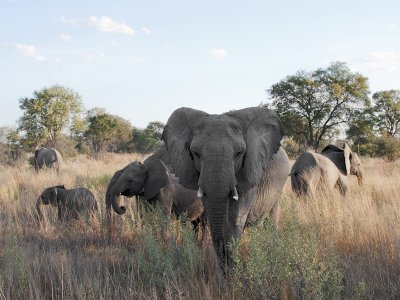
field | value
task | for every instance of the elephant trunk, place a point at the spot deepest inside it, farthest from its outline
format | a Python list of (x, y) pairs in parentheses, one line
[(113, 200), (217, 193), (39, 211), (217, 215)]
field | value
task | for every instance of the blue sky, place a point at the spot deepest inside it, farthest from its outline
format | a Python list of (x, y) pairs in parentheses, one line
[(143, 59)]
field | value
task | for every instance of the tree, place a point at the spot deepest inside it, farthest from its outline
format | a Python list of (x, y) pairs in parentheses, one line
[(361, 131), (47, 114), (149, 139), (387, 111), (312, 105), (388, 147), (100, 131), (107, 132), (10, 141)]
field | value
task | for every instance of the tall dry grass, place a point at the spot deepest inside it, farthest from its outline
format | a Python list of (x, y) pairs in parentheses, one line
[(328, 247)]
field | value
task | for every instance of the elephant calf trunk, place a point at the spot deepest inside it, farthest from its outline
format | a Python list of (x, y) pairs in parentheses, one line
[(118, 209)]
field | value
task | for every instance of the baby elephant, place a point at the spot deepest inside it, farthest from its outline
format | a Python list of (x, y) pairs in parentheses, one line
[(71, 203), (152, 180)]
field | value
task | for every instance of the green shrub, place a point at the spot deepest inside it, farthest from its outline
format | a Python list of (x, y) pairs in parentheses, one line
[(293, 260)]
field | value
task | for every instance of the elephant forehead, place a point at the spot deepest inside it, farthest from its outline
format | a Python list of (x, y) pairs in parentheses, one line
[(219, 126)]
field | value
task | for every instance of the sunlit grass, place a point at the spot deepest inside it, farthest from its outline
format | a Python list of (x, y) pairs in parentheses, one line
[(327, 246)]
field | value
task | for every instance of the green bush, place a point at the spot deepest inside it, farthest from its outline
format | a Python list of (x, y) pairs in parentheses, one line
[(387, 147), (293, 260)]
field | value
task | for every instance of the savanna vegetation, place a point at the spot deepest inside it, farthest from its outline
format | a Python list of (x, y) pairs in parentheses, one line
[(327, 247)]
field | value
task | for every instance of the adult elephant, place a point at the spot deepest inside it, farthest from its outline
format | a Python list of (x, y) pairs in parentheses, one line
[(328, 169), (47, 157), (71, 203), (152, 180), (235, 162)]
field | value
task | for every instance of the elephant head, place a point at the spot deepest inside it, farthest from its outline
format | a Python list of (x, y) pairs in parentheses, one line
[(136, 179), (345, 160), (223, 156), (48, 196)]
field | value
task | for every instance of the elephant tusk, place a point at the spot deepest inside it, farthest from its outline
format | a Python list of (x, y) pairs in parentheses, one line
[(235, 194), (200, 193)]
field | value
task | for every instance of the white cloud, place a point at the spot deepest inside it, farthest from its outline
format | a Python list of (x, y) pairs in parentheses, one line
[(218, 53), (72, 22), (66, 38), (106, 24), (29, 51), (383, 61), (146, 30), (394, 25)]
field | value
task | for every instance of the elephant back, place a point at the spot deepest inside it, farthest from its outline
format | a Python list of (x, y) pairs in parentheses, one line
[(160, 154), (81, 199)]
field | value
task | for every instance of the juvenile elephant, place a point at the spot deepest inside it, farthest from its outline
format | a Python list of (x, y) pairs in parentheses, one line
[(329, 169), (47, 157), (152, 180), (235, 162), (71, 203)]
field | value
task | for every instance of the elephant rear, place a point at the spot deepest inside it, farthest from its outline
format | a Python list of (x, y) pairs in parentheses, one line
[(47, 157), (82, 200), (301, 173)]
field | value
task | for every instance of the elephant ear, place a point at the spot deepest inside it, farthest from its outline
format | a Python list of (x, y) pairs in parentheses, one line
[(112, 182), (340, 157), (157, 178), (263, 132), (347, 158), (177, 135)]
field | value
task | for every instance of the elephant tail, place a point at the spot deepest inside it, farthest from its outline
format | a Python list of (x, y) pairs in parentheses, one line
[(299, 183)]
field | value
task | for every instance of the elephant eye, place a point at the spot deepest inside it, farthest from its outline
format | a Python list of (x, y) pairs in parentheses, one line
[(239, 153), (196, 154)]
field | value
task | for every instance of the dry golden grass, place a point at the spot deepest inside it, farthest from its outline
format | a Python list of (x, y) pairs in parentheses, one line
[(328, 246)]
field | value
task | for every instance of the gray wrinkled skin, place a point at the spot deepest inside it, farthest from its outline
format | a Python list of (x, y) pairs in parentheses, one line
[(235, 162)]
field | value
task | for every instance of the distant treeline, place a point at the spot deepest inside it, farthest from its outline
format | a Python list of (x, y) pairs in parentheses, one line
[(318, 107)]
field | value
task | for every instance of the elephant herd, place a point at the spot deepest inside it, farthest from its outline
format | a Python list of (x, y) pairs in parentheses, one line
[(226, 170)]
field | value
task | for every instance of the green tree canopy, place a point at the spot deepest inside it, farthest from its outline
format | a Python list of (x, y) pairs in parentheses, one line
[(313, 104), (46, 114), (107, 132), (147, 140), (387, 111), (361, 131)]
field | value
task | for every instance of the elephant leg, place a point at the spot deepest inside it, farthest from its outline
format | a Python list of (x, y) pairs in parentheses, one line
[(342, 184), (275, 213), (165, 198), (60, 213)]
